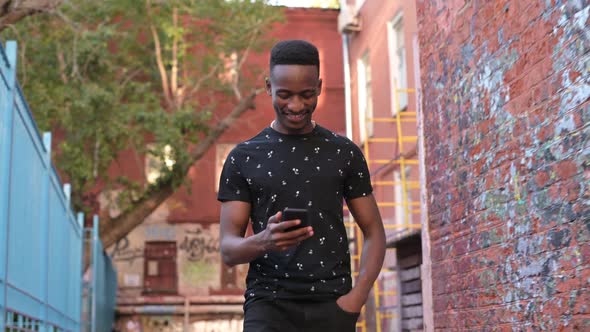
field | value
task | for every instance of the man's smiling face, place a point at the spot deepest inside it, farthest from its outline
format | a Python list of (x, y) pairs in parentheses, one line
[(294, 90)]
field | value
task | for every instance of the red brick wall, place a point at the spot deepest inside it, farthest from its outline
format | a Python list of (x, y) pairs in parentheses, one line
[(506, 110)]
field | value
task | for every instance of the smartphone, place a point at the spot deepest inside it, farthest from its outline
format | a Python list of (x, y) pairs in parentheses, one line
[(292, 214)]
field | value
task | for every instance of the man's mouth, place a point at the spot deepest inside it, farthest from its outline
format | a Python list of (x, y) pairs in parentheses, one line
[(295, 117)]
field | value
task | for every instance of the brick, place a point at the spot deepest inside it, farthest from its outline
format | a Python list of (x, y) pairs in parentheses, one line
[(566, 169), (541, 178), (515, 250)]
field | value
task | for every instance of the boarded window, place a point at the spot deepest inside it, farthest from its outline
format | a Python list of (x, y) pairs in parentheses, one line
[(160, 268)]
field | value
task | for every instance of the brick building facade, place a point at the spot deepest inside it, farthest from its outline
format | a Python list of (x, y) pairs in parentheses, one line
[(380, 40), (507, 123)]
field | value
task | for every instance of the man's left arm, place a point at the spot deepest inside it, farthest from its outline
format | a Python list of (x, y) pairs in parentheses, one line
[(366, 214)]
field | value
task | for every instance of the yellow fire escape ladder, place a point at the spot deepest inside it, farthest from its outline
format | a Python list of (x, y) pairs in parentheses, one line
[(404, 157)]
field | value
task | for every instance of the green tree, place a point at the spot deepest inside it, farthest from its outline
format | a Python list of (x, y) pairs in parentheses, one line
[(111, 76)]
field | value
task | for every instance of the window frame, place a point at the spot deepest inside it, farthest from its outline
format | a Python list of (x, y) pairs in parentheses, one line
[(398, 76), (365, 97), (166, 267)]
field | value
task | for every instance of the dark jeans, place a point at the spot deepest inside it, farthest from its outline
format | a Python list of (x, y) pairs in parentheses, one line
[(297, 316)]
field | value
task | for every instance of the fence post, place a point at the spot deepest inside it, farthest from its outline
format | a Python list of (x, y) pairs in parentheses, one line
[(44, 228), (95, 253), (80, 218), (6, 125), (66, 289)]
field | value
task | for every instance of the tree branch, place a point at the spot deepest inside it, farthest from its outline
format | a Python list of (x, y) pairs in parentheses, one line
[(160, 62), (244, 105), (111, 230), (236, 81), (202, 79), (129, 77), (73, 25), (174, 73), (247, 51), (13, 11), (62, 65), (95, 159)]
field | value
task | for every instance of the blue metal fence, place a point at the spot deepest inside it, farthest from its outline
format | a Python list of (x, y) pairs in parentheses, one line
[(41, 240), (101, 288)]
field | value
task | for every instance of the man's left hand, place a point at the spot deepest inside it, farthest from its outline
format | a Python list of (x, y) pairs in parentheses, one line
[(350, 303)]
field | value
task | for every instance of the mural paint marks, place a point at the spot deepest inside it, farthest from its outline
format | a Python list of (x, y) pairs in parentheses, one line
[(199, 245), (124, 252)]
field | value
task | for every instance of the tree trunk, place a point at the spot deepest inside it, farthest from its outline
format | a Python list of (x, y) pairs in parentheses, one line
[(12, 11), (112, 230)]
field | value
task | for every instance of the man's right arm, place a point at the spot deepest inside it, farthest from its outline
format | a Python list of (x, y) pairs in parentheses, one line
[(237, 249)]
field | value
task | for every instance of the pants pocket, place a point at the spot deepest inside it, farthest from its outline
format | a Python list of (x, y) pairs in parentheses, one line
[(338, 308), (350, 317)]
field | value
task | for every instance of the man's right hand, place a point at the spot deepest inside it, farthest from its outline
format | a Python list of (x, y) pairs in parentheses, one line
[(274, 237)]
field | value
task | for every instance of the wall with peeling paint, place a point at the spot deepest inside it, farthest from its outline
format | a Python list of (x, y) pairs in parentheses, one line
[(506, 89)]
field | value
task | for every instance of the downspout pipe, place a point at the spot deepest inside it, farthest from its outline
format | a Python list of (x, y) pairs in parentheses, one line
[(347, 96)]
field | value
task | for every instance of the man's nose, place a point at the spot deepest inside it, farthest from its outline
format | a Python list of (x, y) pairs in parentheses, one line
[(295, 104)]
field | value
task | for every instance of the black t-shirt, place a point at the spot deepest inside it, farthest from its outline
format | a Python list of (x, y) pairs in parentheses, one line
[(316, 171)]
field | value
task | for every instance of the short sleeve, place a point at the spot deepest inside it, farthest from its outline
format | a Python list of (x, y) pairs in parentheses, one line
[(232, 184), (358, 179)]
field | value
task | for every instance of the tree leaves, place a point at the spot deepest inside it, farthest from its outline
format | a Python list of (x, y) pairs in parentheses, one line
[(93, 73)]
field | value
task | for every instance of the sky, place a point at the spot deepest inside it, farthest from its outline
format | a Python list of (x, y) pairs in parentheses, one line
[(293, 3)]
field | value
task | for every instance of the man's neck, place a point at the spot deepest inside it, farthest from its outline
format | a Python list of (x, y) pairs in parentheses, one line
[(273, 125)]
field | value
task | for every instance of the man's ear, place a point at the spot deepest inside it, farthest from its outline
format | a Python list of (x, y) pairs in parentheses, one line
[(268, 86), (319, 87)]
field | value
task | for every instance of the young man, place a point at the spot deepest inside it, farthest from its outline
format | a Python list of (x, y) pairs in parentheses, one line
[(298, 280)]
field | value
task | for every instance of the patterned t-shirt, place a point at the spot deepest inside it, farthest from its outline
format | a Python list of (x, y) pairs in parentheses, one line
[(316, 171)]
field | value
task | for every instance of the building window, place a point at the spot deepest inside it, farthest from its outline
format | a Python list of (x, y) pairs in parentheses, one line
[(398, 64), (365, 97), (160, 268)]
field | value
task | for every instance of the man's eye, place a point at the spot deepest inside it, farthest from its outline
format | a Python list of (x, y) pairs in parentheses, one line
[(308, 95), (283, 95)]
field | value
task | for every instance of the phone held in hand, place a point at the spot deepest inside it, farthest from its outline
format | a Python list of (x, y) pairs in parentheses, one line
[(292, 214)]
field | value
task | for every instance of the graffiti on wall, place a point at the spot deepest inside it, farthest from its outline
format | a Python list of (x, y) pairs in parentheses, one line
[(199, 245), (125, 252), (199, 259)]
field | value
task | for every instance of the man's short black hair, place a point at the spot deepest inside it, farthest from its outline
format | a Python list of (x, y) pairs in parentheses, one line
[(294, 52)]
